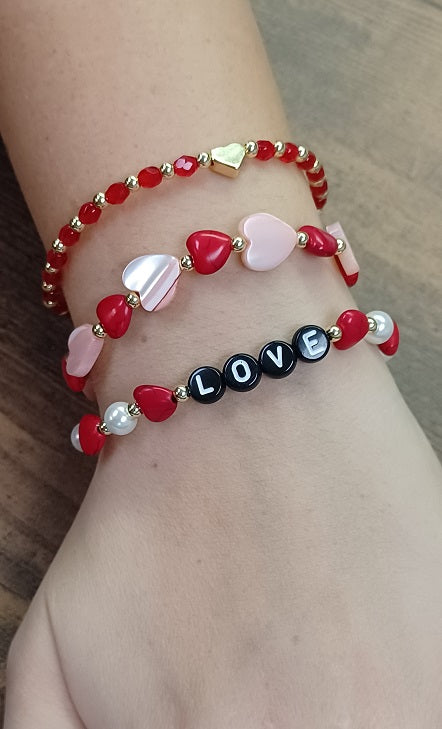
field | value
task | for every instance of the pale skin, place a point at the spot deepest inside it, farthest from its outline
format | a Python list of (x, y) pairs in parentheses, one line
[(272, 561)]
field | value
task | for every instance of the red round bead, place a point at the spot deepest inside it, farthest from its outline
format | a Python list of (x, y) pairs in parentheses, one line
[(390, 347), (55, 259), (308, 163), (149, 177), (350, 279), (209, 249), (116, 193), (114, 313), (320, 190), (266, 149), (51, 278), (319, 203), (68, 236), (91, 440), (354, 326), (157, 403), (76, 384), (290, 153), (315, 176), (320, 243), (185, 165), (89, 213), (57, 299)]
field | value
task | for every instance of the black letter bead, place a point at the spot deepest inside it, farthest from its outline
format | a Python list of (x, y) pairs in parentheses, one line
[(206, 384), (311, 343), (242, 372), (277, 359)]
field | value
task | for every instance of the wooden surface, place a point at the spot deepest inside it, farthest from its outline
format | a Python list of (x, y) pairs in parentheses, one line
[(361, 82)]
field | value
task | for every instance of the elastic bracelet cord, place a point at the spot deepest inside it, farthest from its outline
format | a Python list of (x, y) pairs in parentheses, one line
[(224, 160), (264, 243), (241, 373)]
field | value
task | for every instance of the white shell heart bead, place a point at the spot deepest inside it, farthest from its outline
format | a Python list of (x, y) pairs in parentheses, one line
[(347, 258), (153, 277), (118, 419), (384, 330), (269, 241)]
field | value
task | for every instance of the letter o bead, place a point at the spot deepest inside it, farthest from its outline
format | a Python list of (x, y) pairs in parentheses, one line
[(206, 385), (311, 343), (277, 359), (242, 372)]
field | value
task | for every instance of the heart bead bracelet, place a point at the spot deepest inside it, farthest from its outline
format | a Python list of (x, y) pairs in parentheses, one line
[(224, 160), (241, 373), (264, 242)]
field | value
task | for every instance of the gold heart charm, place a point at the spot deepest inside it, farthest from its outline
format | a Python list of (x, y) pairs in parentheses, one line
[(228, 160)]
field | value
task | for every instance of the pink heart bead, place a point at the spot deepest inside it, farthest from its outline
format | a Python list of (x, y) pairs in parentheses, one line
[(346, 260), (84, 350), (152, 277), (270, 241)]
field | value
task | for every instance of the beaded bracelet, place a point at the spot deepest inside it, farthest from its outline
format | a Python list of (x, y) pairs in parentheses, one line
[(241, 372), (225, 160), (265, 242)]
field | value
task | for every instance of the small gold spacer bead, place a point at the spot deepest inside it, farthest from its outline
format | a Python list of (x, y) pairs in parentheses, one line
[(316, 167), (251, 148), (341, 246), (49, 268), (334, 333), (302, 238), (134, 410), (167, 170), (100, 200), (98, 330), (131, 183), (58, 246), (50, 304), (47, 288), (102, 428), (279, 148), (372, 324), (133, 300), (204, 159), (322, 197), (238, 244), (181, 393), (76, 224), (186, 263), (302, 153)]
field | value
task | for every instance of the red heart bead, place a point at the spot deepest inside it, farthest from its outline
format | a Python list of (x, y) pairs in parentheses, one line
[(354, 326), (209, 249), (115, 314), (390, 347), (320, 243), (157, 403), (76, 384), (91, 440)]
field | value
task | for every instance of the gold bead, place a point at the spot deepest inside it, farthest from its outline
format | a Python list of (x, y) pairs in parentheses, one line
[(49, 304), (181, 393), (227, 160), (372, 324), (49, 268), (341, 246), (167, 170), (47, 288), (302, 153), (238, 244), (204, 159), (334, 333), (133, 300), (186, 263), (279, 148), (316, 167), (302, 238), (98, 330), (100, 200), (58, 246), (102, 428), (131, 183), (251, 148), (76, 224), (134, 410)]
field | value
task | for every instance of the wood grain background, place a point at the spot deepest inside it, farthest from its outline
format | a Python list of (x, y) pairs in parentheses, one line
[(362, 84)]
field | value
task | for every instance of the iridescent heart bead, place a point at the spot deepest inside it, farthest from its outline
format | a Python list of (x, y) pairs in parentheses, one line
[(84, 350), (153, 277), (269, 241)]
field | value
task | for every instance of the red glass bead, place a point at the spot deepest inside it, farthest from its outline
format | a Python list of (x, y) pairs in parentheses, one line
[(150, 177), (114, 313), (55, 296), (354, 326), (209, 249), (290, 153), (320, 243), (350, 279), (89, 213), (76, 384), (308, 163), (185, 165), (320, 203), (390, 347), (55, 259), (116, 193), (68, 236), (266, 149), (315, 176), (157, 403), (320, 190), (51, 278), (91, 440)]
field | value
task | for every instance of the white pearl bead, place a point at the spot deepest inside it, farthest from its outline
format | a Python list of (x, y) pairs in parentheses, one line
[(118, 420), (75, 438), (384, 330)]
